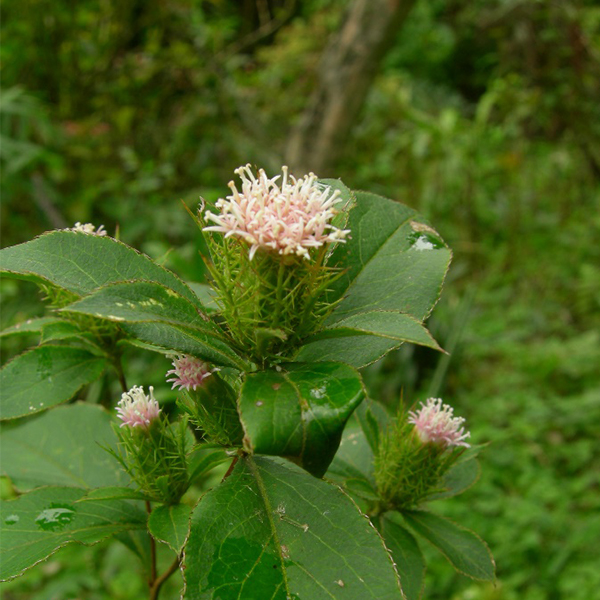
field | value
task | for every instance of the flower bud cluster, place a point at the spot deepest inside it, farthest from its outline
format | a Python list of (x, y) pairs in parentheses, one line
[(151, 450)]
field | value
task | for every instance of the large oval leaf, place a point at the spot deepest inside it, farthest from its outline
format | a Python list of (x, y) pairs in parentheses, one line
[(299, 411), (81, 263), (65, 446), (406, 554), (166, 338), (160, 316), (392, 261), (273, 531), (392, 269), (37, 524), (362, 338), (44, 377)]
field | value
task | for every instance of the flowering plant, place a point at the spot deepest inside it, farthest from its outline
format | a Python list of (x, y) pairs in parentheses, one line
[(323, 493)]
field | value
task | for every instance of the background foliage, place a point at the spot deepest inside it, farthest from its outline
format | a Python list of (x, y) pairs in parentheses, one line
[(485, 117)]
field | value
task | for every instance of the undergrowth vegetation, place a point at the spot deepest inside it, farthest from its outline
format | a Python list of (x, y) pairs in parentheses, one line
[(484, 118)]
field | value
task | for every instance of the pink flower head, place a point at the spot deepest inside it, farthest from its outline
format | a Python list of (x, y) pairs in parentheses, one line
[(435, 423), (189, 372), (136, 409), (290, 218)]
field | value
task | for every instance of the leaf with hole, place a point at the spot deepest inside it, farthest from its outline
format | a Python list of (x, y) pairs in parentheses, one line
[(392, 261)]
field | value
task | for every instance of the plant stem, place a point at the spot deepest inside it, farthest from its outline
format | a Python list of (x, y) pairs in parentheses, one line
[(231, 466), (152, 580), (155, 588), (119, 369)]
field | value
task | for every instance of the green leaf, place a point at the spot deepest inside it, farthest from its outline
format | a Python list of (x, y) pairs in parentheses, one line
[(44, 377), (299, 411), (159, 316), (348, 199), (406, 554), (358, 352), (115, 493), (29, 326), (363, 338), (170, 525), (37, 524), (64, 446), (354, 458), (166, 338), (392, 261), (204, 459), (466, 551), (81, 263), (353, 464), (273, 531), (60, 330), (373, 418), (138, 541), (142, 301), (458, 479), (205, 294)]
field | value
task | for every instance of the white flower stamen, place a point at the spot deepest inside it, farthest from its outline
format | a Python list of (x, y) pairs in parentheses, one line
[(290, 218), (136, 409), (435, 423), (88, 228)]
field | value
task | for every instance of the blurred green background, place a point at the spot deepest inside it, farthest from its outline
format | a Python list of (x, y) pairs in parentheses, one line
[(485, 116)]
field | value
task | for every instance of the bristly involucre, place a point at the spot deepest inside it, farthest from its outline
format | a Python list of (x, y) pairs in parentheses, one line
[(287, 218)]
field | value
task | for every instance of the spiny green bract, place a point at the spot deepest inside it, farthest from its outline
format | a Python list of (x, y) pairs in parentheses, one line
[(155, 458), (213, 409), (269, 303), (408, 471)]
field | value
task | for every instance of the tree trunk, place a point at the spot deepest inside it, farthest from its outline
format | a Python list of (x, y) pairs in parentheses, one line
[(346, 71)]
